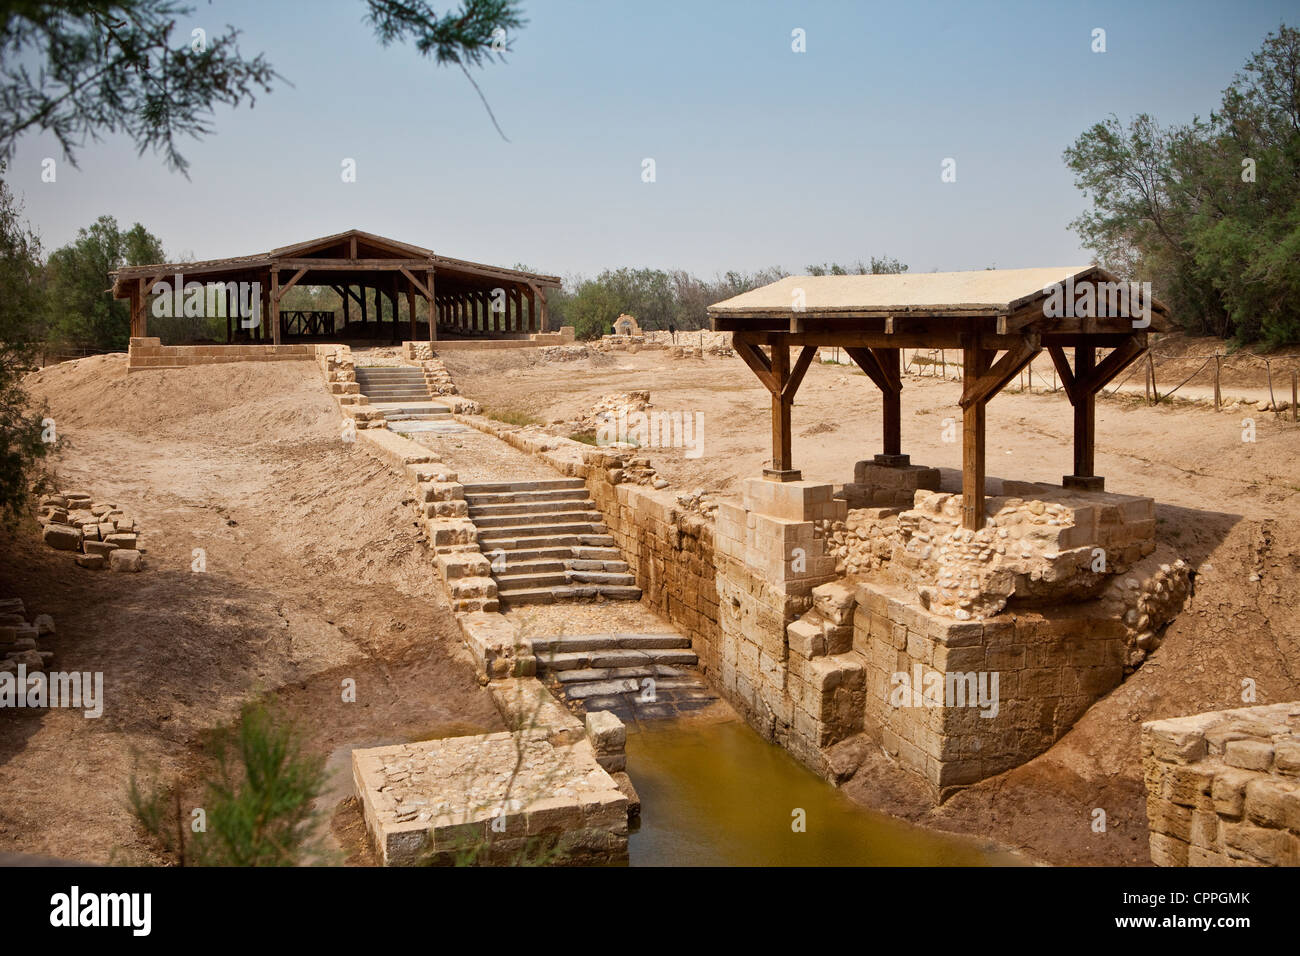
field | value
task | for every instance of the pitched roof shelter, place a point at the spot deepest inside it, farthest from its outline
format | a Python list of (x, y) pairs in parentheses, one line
[(467, 298), (1014, 312)]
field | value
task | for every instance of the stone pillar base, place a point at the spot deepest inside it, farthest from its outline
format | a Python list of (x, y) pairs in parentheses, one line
[(893, 461), (783, 474), (1084, 482)]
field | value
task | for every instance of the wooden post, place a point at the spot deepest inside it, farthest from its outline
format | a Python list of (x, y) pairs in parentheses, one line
[(1085, 412), (433, 306), (229, 330), (1295, 390), (782, 456), (365, 314), (275, 306), (410, 308), (140, 310), (264, 311), (974, 364), (1268, 370), (546, 319), (892, 403), (1218, 396), (1151, 371), (347, 305), (532, 309)]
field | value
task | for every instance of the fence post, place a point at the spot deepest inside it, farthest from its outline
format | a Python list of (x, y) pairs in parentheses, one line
[(1218, 396), (1295, 387), (1151, 371)]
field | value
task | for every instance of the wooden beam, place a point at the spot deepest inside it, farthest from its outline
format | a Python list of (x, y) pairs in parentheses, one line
[(891, 402), (1114, 363), (430, 294), (870, 365), (992, 379), (1063, 370), (800, 369), (275, 306), (1085, 413), (782, 453), (975, 363), (758, 363)]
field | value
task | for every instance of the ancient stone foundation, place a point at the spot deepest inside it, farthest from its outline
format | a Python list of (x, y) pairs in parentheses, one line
[(1223, 788)]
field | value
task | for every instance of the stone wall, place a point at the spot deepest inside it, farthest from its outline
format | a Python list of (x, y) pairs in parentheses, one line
[(1223, 788), (150, 353), (958, 701)]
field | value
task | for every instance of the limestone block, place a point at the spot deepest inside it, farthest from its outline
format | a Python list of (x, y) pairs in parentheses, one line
[(126, 560), (62, 537), (93, 562)]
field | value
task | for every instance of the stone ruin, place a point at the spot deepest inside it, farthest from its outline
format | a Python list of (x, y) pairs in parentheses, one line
[(551, 789), (20, 640), (1223, 788), (98, 533), (626, 325)]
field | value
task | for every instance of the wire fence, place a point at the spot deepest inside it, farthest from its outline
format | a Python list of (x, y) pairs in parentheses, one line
[(1280, 371)]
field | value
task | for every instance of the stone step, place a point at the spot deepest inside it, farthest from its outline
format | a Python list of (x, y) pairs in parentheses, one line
[(533, 545), (395, 394), (488, 499), (534, 566), (504, 538), (551, 519), (587, 642), (617, 657), (563, 553), (578, 592), (389, 371), (498, 487), (658, 672), (529, 581), (576, 500), (617, 578)]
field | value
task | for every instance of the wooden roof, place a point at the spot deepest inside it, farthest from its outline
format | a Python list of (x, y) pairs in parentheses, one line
[(339, 254), (1018, 294)]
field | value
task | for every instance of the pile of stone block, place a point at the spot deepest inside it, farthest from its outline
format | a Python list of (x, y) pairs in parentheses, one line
[(20, 640), (339, 369), (1223, 788), (99, 533)]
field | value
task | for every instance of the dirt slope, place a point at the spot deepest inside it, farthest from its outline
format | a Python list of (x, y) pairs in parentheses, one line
[(315, 572)]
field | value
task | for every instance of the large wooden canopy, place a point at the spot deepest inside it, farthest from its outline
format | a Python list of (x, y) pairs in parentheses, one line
[(999, 319), (463, 296)]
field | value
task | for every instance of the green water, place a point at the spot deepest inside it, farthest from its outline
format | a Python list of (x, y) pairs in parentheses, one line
[(717, 794)]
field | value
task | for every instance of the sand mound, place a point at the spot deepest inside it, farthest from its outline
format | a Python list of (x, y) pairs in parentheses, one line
[(239, 402)]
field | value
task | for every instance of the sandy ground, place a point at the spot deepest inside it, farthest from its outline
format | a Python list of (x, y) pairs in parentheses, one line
[(315, 573), (1226, 505)]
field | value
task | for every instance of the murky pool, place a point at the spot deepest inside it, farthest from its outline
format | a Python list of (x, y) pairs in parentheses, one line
[(717, 794)]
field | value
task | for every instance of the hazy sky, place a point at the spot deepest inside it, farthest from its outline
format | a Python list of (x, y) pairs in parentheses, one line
[(763, 156)]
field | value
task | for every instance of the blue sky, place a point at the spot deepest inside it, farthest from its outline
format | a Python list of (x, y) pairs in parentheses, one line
[(763, 156)]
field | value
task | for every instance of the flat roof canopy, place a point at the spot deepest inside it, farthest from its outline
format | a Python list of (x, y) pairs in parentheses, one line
[(1015, 312)]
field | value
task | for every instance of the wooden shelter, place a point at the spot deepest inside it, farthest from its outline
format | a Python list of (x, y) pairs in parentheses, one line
[(999, 319), (462, 298)]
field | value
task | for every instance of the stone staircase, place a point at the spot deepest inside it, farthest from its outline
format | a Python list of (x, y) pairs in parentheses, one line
[(635, 676), (547, 542), (401, 394)]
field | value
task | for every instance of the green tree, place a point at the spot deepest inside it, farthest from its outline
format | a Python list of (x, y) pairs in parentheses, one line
[(21, 444), (80, 307), (81, 69), (1209, 212)]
